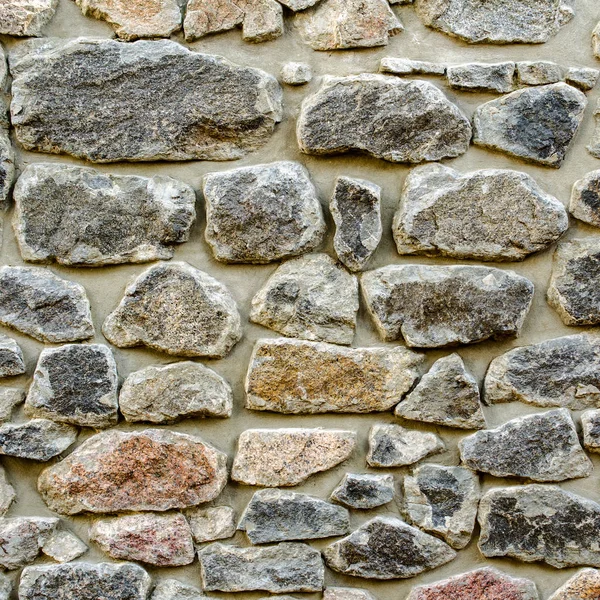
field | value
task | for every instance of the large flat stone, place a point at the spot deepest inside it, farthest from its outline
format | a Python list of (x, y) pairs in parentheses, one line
[(26, 18)]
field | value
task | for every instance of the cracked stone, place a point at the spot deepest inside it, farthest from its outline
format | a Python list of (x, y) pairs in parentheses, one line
[(7, 159), (64, 546), (482, 77), (339, 593), (584, 585), (296, 73), (538, 72), (11, 357), (9, 399), (583, 78), (22, 538), (364, 491), (585, 199), (212, 523), (26, 17), (7, 495), (406, 66), (171, 589), (590, 424), (38, 439)]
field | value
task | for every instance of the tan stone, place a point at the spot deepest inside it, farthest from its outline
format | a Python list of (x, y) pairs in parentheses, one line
[(584, 585)]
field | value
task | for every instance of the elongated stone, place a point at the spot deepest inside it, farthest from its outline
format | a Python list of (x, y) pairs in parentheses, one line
[(590, 424), (482, 77), (364, 491), (9, 399), (296, 5), (583, 585), (26, 17), (5, 587), (11, 357), (596, 40), (538, 72), (55, 85), (339, 593), (21, 539), (171, 589), (212, 523), (585, 199), (395, 446), (7, 493), (7, 160), (38, 439), (64, 546), (406, 66)]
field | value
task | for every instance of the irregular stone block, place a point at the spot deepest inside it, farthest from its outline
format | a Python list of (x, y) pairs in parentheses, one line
[(584, 584), (21, 539), (64, 546), (296, 73), (585, 199), (38, 439), (395, 446), (212, 523), (7, 495), (7, 158), (364, 491), (406, 66), (26, 17), (338, 593), (482, 77), (590, 424), (9, 398), (538, 72), (171, 589), (584, 78), (11, 357)]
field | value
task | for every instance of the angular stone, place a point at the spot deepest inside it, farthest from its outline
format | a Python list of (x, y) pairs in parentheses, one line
[(310, 297), (584, 585), (464, 304), (347, 112), (296, 73), (26, 17), (364, 491), (585, 199), (55, 85), (7, 494), (281, 516), (443, 501), (584, 78), (212, 523), (171, 589), (536, 124), (64, 546), (9, 399), (338, 593), (7, 158), (482, 77), (387, 548), (590, 424), (395, 446), (21, 539), (147, 470), (164, 394), (38, 439), (287, 457), (406, 66), (538, 72), (540, 523), (178, 309), (38, 303), (287, 567), (11, 357)]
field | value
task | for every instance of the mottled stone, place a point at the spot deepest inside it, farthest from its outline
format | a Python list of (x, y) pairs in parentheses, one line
[(11, 357), (364, 491), (7, 159), (406, 66), (146, 470), (7, 494), (56, 85), (171, 589), (584, 78), (5, 587), (177, 309), (296, 73), (64, 546), (347, 112), (212, 523), (590, 424), (26, 17), (584, 585), (594, 146), (9, 399), (21, 539), (538, 72), (482, 77), (585, 199), (339, 593), (38, 439), (464, 304)]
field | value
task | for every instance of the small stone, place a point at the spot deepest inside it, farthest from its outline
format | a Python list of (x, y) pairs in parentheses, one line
[(64, 546), (38, 303), (583, 78), (5, 587), (262, 213), (296, 5), (538, 72), (465, 304), (585, 199), (406, 66), (295, 73), (287, 457), (26, 17), (7, 496), (287, 567), (38, 439), (178, 309), (263, 20), (347, 112), (395, 446), (11, 357), (171, 589), (590, 424), (584, 585), (212, 523), (9, 399), (116, 471), (7, 155), (364, 491), (21, 539), (482, 77), (281, 516), (338, 593), (311, 298), (540, 523), (536, 124), (356, 211)]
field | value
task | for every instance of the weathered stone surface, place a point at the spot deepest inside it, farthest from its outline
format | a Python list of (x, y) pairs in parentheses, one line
[(443, 500), (594, 146), (287, 457), (540, 523), (46, 307), (177, 309), (584, 585), (75, 384), (38, 439), (5, 587), (161, 540), (55, 84), (64, 546), (25, 17), (280, 516), (137, 470), (387, 548), (347, 112), (464, 304), (164, 394), (296, 5), (596, 40), (171, 589), (482, 77), (584, 78), (7, 161), (364, 491), (9, 399), (536, 124), (262, 213), (590, 424), (310, 297), (296, 73), (406, 66), (293, 376), (538, 72), (212, 523), (585, 199), (339, 593), (11, 357), (7, 493), (287, 567), (21, 539), (395, 446)]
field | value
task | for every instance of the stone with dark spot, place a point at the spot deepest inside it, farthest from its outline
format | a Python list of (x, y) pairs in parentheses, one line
[(364, 490), (482, 77), (11, 357), (26, 18), (585, 199), (38, 439), (395, 446), (584, 585), (590, 424), (22, 538)]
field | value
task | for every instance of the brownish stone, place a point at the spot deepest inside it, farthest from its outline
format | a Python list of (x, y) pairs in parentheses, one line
[(584, 585)]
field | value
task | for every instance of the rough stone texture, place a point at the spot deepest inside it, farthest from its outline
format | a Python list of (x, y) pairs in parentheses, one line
[(287, 457), (482, 77), (80, 216), (293, 376), (584, 585), (38, 439), (7, 159), (9, 399), (21, 539), (25, 17), (443, 501), (7, 494), (58, 105), (287, 567), (395, 446), (584, 78), (310, 297), (46, 307), (585, 199), (75, 384), (171, 589), (590, 424), (167, 393), (11, 357), (64, 546), (387, 548), (296, 73), (464, 304), (536, 124), (212, 523), (177, 309), (346, 114), (5, 587), (538, 72), (262, 213), (406, 66), (596, 40), (364, 491), (539, 447), (280, 516), (339, 593), (594, 146), (540, 523), (137, 470)]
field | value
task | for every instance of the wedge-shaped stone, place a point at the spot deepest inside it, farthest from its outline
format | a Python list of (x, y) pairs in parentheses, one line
[(590, 423), (212, 523), (364, 491), (64, 546), (171, 589), (583, 585), (26, 17), (55, 84), (490, 215), (482, 77), (38, 439), (145, 470), (9, 399), (339, 593), (463, 304), (347, 114), (11, 357), (7, 161), (7, 493), (585, 199), (22, 538), (395, 446)]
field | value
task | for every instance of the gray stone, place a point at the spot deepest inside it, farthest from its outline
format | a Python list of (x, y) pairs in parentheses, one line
[(38, 439), (584, 584), (464, 304), (296, 5), (296, 73), (7, 494), (596, 40), (406, 66), (538, 72), (212, 523), (55, 84), (164, 394), (5, 587), (356, 211), (540, 523), (64, 546), (364, 491), (9, 399), (171, 589), (585, 199), (204, 321), (395, 446), (536, 124), (287, 567), (387, 548), (347, 112), (21, 539), (281, 516), (26, 17), (7, 161), (590, 424), (584, 78), (262, 213), (446, 395), (482, 77), (594, 146), (80, 216), (48, 308), (11, 357), (75, 384), (339, 593)]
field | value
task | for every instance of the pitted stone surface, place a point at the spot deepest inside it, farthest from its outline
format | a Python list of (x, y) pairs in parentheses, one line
[(38, 439), (482, 77), (7, 493), (26, 17), (590, 424), (296, 73), (339, 593), (9, 399), (22, 538), (11, 357), (584, 78), (64, 546), (584, 585), (585, 199), (364, 491), (171, 589), (212, 523), (538, 72), (406, 66), (7, 160)]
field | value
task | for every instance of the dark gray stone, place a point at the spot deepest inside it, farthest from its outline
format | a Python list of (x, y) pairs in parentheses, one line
[(364, 491), (11, 357), (38, 439), (22, 538), (585, 199), (482, 77), (590, 424)]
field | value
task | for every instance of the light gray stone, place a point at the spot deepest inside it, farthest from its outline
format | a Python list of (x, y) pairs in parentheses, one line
[(212, 523), (7, 494), (26, 17), (339, 593), (171, 589), (584, 584), (364, 490), (407, 66), (296, 73), (64, 546), (38, 439), (482, 77), (5, 587), (9, 399), (594, 146), (584, 78), (11, 357), (22, 538), (7, 159), (590, 424), (585, 199), (538, 72)]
